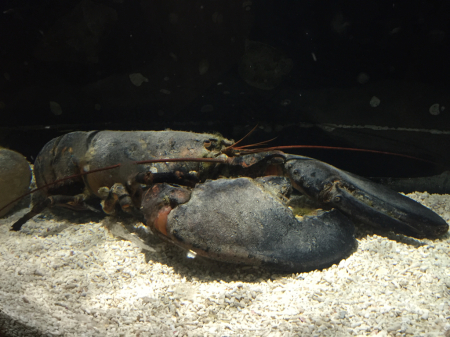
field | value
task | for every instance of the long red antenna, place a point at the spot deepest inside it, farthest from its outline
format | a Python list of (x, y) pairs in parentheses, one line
[(162, 160), (274, 148), (230, 151)]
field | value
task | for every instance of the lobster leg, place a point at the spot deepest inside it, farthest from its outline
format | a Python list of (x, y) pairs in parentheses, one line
[(363, 200), (130, 197), (73, 202)]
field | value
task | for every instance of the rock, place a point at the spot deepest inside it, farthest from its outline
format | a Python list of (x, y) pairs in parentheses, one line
[(15, 177)]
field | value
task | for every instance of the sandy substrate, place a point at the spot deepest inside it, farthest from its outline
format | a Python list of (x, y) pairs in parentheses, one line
[(64, 279)]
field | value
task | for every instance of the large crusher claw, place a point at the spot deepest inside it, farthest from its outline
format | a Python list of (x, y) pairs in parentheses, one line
[(241, 221), (363, 200)]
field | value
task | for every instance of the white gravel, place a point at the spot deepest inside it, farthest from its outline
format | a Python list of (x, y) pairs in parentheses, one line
[(61, 279)]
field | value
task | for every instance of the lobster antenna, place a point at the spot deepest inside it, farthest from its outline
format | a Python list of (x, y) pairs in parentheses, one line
[(274, 148), (264, 142), (58, 181), (240, 140), (162, 160), (219, 160)]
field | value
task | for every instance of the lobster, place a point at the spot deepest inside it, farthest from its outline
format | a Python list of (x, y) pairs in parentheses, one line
[(225, 202)]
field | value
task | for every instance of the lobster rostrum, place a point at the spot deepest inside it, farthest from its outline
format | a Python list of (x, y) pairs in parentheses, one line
[(224, 202)]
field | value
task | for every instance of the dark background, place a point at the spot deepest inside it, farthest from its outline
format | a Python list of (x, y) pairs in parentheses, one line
[(366, 74)]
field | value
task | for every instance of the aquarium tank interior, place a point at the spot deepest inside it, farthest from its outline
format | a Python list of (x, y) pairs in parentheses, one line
[(283, 168)]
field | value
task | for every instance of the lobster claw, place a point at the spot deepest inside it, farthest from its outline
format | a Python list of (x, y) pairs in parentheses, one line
[(243, 221), (363, 200)]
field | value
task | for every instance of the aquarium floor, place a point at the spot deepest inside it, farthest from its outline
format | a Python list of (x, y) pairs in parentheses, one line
[(62, 279)]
